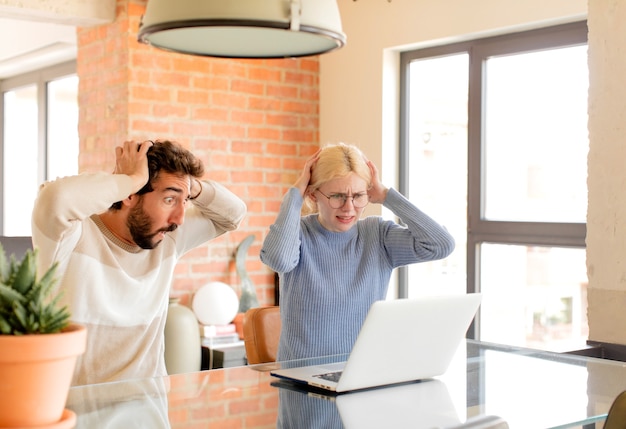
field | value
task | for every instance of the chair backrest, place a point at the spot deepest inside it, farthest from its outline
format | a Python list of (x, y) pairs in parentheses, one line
[(616, 418), (261, 331)]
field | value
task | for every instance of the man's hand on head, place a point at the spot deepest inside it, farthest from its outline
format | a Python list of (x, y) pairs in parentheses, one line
[(131, 159)]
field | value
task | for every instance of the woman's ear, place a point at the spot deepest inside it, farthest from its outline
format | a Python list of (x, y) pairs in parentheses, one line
[(311, 195)]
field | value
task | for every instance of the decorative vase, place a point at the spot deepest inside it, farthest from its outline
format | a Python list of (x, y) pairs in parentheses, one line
[(248, 298), (36, 372), (183, 348)]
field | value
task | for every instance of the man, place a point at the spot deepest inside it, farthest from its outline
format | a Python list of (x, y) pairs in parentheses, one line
[(117, 238)]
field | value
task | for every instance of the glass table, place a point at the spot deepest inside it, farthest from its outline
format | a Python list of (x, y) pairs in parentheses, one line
[(526, 388)]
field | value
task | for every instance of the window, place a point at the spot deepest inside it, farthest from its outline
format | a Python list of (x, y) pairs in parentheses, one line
[(39, 139), (494, 146)]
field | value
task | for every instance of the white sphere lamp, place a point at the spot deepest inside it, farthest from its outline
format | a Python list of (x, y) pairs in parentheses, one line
[(215, 303)]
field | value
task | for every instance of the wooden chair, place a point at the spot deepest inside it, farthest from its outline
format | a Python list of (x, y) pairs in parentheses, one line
[(616, 419), (261, 331)]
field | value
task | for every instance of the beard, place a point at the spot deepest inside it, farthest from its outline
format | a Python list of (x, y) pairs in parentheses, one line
[(140, 226)]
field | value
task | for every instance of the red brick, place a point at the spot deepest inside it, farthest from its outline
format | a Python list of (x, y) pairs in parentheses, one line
[(253, 123)]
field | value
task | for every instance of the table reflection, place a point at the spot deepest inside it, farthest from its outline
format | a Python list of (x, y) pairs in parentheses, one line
[(136, 404), (300, 409), (525, 388)]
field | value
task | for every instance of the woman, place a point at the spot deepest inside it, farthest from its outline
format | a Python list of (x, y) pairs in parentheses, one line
[(334, 265)]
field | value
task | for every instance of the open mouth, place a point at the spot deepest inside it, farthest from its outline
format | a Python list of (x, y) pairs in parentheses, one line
[(345, 219)]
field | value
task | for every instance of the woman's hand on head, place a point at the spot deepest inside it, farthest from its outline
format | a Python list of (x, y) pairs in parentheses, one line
[(377, 192), (305, 177), (131, 159)]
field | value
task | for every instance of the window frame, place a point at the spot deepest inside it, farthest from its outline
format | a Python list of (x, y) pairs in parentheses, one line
[(480, 230), (40, 78)]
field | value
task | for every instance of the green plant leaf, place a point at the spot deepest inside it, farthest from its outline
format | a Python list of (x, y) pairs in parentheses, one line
[(8, 295), (5, 326), (26, 274), (48, 280), (4, 265), (20, 312), (26, 303)]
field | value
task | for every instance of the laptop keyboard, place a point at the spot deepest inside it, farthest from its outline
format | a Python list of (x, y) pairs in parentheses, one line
[(330, 376)]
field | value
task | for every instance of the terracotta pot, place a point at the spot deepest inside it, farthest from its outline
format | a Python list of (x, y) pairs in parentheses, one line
[(35, 376)]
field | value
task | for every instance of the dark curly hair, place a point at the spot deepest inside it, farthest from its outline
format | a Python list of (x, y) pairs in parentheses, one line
[(171, 157)]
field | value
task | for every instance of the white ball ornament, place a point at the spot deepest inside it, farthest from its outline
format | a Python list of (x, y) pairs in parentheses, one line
[(215, 303)]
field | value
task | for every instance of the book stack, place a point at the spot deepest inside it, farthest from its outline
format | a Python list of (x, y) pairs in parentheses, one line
[(221, 346), (228, 355), (214, 335)]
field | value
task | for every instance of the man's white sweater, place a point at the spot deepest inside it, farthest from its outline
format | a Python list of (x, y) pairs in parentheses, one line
[(118, 291)]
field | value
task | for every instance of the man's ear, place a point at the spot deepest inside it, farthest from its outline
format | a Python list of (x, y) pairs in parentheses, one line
[(131, 200)]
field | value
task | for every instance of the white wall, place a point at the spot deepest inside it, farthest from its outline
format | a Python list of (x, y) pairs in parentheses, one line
[(359, 83), (359, 104)]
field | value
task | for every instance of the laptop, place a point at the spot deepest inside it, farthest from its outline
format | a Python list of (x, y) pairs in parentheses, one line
[(401, 340)]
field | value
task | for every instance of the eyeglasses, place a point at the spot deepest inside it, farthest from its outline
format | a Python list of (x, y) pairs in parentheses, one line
[(337, 201)]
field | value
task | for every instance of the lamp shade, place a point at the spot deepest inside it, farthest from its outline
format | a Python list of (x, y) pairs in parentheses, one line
[(243, 28)]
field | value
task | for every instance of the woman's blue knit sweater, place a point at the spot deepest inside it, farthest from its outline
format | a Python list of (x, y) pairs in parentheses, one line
[(328, 280)]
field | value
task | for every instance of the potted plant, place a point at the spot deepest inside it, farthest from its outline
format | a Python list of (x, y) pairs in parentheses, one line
[(38, 347)]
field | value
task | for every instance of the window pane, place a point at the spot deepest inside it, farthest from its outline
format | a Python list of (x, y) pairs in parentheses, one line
[(533, 296), (63, 127), (536, 140), (20, 159), (437, 180)]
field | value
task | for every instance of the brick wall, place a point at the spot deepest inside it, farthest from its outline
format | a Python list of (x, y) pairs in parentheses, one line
[(253, 123)]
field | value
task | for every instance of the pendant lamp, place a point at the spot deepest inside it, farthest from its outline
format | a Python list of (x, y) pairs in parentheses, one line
[(243, 28)]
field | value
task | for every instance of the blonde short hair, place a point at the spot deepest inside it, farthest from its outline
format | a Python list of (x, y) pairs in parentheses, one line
[(336, 161)]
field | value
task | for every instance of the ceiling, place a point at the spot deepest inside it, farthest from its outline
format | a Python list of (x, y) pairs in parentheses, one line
[(33, 45), (40, 33)]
